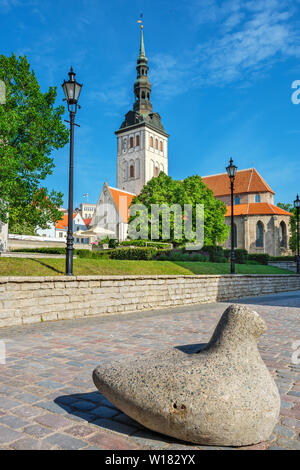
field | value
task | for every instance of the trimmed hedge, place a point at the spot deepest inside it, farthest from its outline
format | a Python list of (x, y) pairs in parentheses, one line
[(134, 253), (282, 258), (146, 244), (181, 256), (262, 258)]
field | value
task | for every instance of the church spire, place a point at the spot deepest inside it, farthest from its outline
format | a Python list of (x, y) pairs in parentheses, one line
[(142, 86)]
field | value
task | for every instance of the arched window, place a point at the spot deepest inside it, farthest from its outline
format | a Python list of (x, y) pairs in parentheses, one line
[(237, 200), (131, 171), (283, 237), (161, 146), (259, 234), (143, 95), (131, 142), (151, 141), (142, 71), (137, 140), (156, 143), (234, 235), (148, 96), (257, 198), (156, 171)]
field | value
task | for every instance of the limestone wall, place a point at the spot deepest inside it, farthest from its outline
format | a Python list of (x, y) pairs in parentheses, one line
[(289, 265), (36, 299)]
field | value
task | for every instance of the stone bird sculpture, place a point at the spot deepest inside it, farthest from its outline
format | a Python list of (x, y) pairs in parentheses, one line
[(221, 395)]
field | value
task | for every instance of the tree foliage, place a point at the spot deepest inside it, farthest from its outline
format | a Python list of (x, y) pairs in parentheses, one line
[(192, 190), (293, 224), (31, 128)]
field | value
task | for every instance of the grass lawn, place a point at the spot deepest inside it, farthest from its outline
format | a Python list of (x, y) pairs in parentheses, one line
[(55, 267)]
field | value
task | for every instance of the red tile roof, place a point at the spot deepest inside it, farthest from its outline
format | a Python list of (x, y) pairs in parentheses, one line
[(122, 200), (87, 221), (256, 208), (246, 181), (63, 223)]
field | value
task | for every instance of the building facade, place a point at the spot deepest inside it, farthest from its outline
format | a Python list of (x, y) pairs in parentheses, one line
[(142, 142), (259, 225)]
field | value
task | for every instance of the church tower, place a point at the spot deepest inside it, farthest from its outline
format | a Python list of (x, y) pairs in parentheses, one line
[(142, 140)]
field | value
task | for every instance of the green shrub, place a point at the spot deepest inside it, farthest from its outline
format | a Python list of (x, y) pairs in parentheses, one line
[(241, 255), (134, 253), (252, 261), (262, 258), (145, 243), (220, 259), (113, 243), (213, 252), (282, 258), (45, 250)]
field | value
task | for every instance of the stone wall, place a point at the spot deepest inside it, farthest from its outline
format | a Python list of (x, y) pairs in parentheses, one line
[(36, 299)]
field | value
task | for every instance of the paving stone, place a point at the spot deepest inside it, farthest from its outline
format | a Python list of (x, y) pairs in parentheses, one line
[(8, 404), (37, 431), (61, 441), (104, 412), (13, 422), (83, 405), (283, 431), (8, 435), (53, 421), (81, 430), (114, 426), (55, 408)]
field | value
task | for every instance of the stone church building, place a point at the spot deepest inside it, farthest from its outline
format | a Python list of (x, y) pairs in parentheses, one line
[(142, 153)]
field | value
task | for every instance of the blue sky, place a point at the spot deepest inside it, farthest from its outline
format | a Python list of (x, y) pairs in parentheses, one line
[(221, 74)]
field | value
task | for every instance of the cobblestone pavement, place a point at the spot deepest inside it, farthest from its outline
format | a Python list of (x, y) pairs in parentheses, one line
[(48, 399)]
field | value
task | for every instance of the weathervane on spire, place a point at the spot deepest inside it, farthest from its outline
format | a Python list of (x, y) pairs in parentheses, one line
[(140, 21)]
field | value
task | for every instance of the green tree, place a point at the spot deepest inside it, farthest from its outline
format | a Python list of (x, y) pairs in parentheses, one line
[(31, 128), (193, 191), (293, 224)]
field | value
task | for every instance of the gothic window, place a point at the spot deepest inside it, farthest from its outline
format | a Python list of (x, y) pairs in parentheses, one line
[(156, 171), (137, 140), (131, 171), (131, 142), (124, 144), (151, 141), (148, 96), (142, 71), (143, 95), (257, 198), (283, 237), (237, 200), (137, 168), (259, 234), (161, 146), (156, 143)]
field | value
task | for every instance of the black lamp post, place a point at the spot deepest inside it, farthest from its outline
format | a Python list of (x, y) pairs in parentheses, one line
[(297, 205), (72, 91), (231, 171)]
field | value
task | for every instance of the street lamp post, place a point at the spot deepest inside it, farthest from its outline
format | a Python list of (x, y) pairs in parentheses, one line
[(297, 206), (231, 171), (72, 90)]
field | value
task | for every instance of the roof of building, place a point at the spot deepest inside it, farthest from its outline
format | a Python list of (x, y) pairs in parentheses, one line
[(122, 200), (63, 223), (87, 221), (256, 208), (246, 181)]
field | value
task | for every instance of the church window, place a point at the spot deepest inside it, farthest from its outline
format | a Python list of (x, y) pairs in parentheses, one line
[(259, 234), (161, 146), (257, 198), (131, 142), (156, 143), (148, 96), (237, 200), (143, 95), (156, 171), (283, 237), (142, 71), (137, 140), (151, 141), (131, 171)]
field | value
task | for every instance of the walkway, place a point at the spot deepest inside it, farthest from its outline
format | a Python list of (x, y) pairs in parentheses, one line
[(48, 399)]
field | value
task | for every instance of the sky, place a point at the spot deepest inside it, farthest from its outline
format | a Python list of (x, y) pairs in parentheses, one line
[(221, 74)]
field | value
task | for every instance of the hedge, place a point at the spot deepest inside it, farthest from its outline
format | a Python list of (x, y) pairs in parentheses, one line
[(134, 253), (282, 258), (145, 243), (262, 258)]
